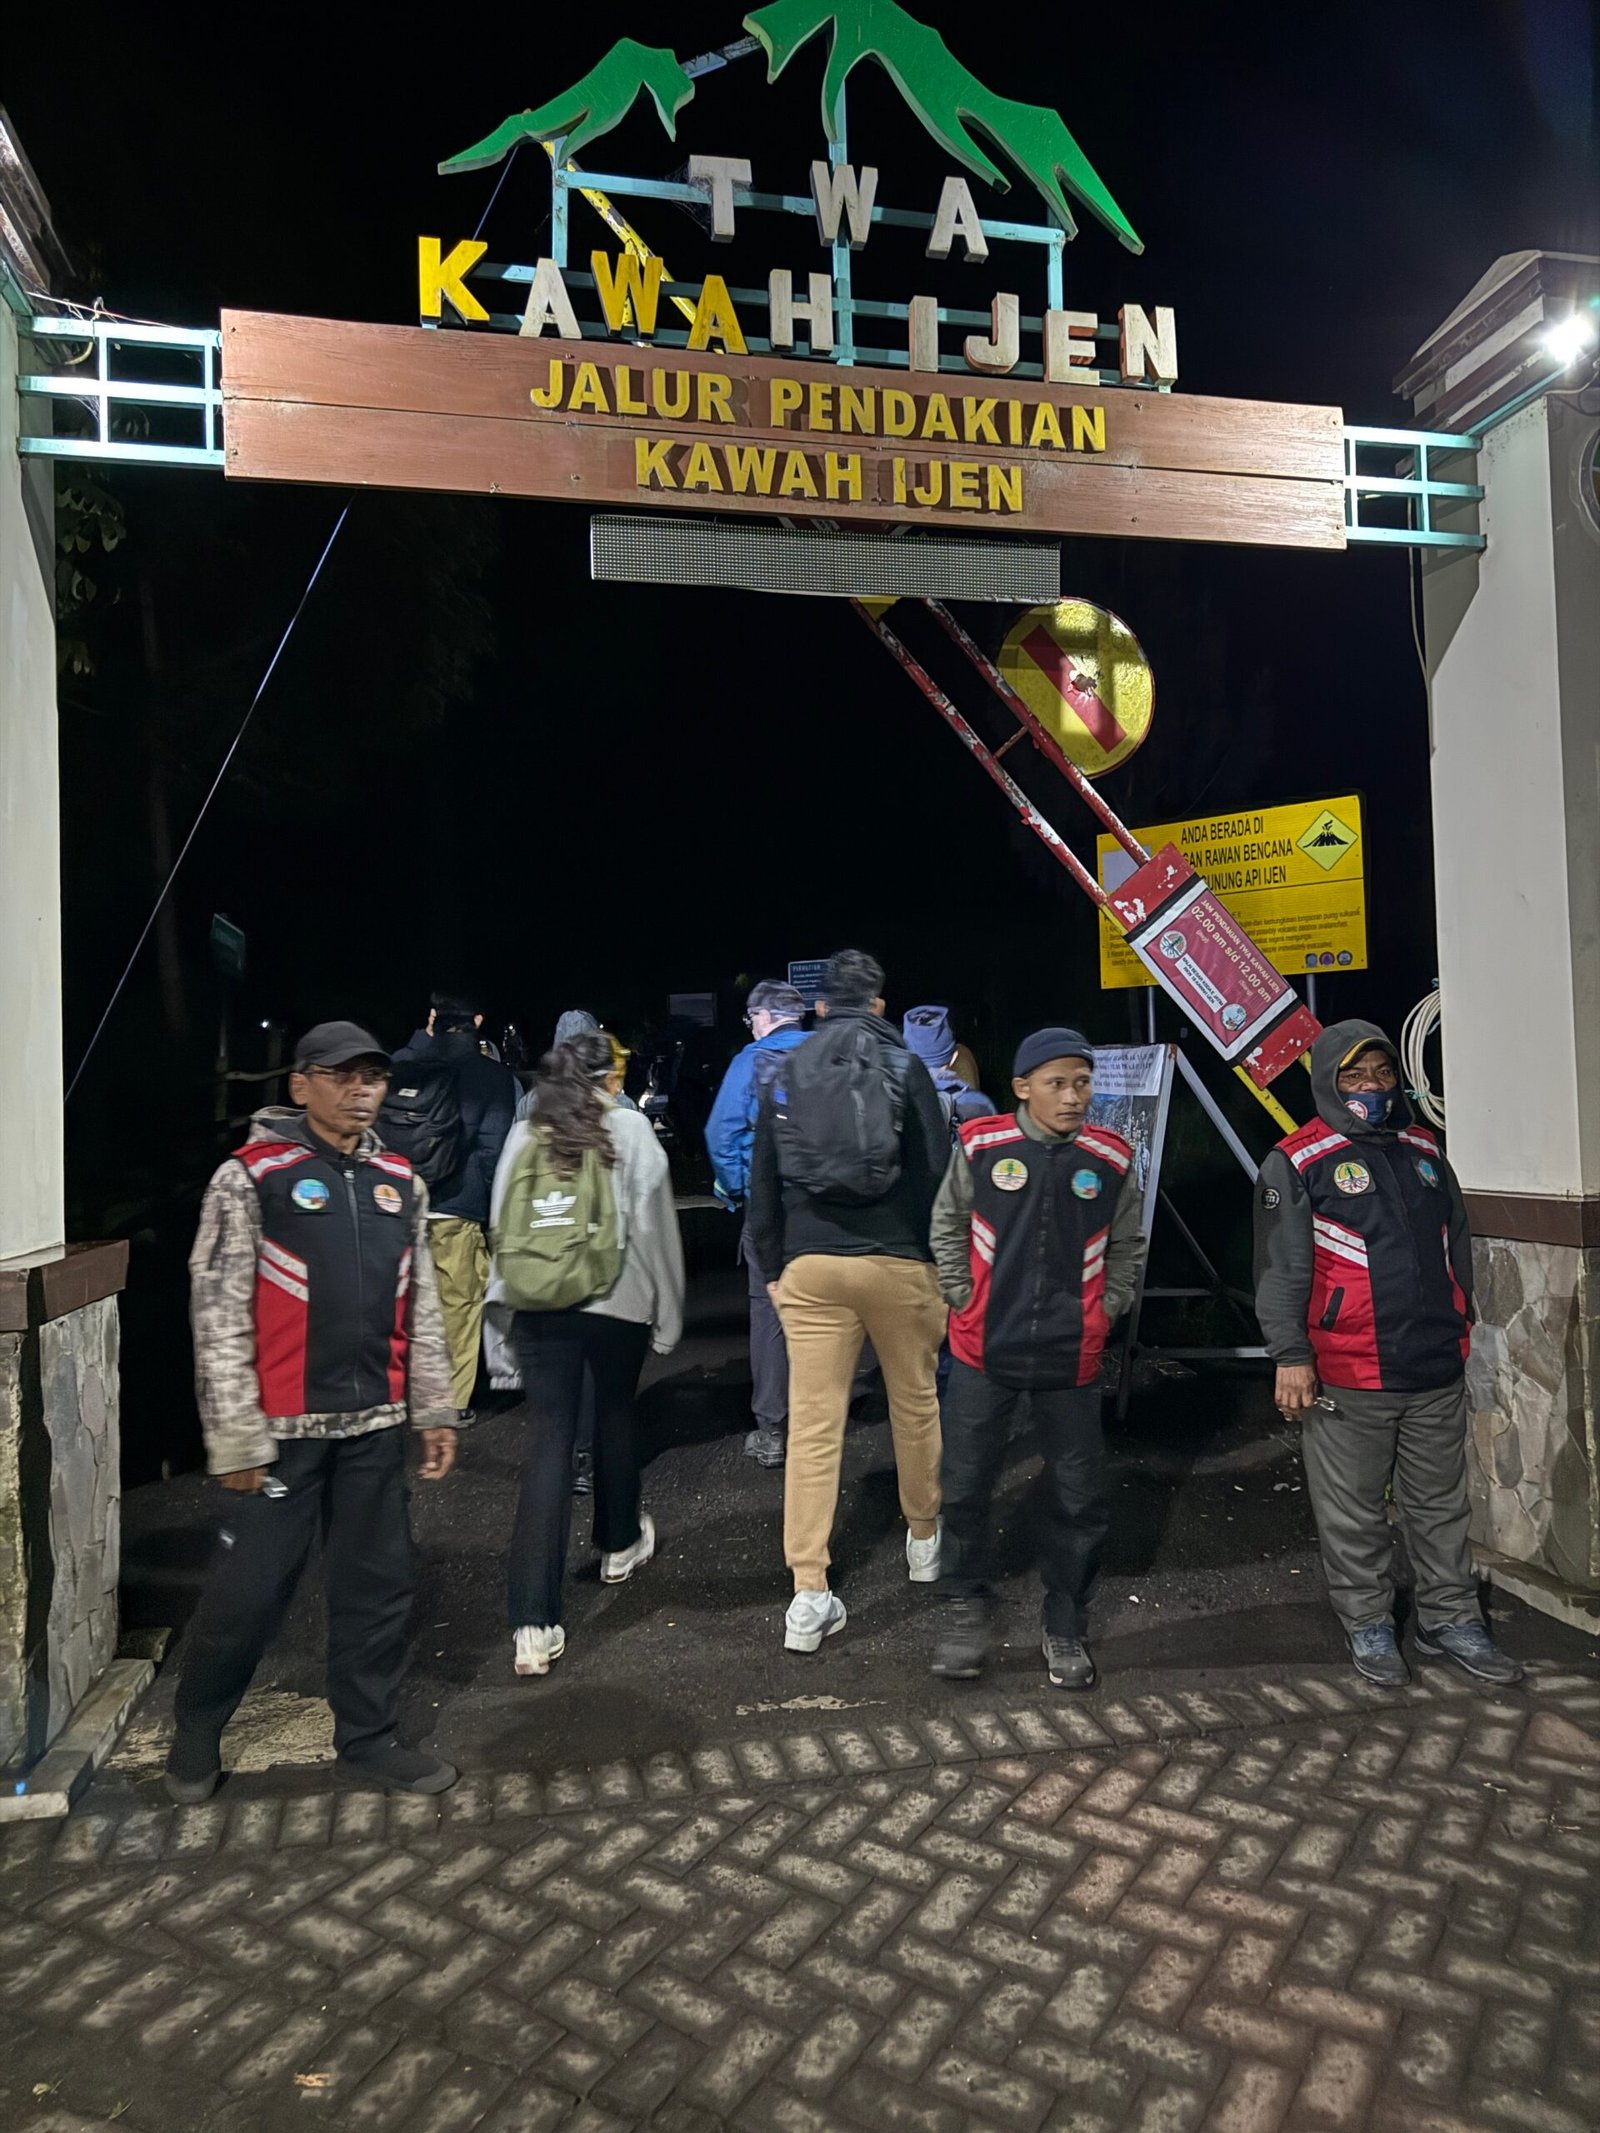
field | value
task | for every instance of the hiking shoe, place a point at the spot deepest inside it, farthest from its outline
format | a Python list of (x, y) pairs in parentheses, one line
[(1068, 1662), (811, 1617), (963, 1644), (617, 1569), (194, 1769), (766, 1447), (395, 1769), (1472, 1648), (582, 1474), (1376, 1657), (922, 1557), (538, 1649), (465, 1417)]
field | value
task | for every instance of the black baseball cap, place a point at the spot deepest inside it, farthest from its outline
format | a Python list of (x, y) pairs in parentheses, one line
[(333, 1044)]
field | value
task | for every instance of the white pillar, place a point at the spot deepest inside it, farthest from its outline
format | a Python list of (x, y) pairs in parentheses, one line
[(1513, 645)]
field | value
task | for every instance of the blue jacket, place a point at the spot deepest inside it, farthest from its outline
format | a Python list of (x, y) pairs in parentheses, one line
[(486, 1094), (731, 1128)]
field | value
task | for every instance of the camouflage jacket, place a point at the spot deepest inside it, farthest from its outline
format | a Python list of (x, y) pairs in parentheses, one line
[(222, 1289)]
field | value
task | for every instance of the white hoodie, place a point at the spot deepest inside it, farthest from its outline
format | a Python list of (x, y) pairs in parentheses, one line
[(649, 1290)]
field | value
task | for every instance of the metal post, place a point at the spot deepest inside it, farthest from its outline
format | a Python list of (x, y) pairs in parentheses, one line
[(1208, 1104), (1311, 992), (844, 339)]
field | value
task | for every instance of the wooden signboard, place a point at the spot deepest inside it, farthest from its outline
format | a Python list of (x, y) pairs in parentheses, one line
[(621, 423)]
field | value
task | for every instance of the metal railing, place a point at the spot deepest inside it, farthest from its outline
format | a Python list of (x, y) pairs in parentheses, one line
[(1408, 487), (168, 416)]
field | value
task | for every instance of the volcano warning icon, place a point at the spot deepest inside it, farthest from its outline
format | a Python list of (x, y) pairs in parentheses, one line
[(1327, 840)]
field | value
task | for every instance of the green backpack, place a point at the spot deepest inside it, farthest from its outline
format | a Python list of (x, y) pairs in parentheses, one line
[(556, 1244)]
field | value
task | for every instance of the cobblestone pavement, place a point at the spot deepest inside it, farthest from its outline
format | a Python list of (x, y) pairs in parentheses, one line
[(1269, 1902)]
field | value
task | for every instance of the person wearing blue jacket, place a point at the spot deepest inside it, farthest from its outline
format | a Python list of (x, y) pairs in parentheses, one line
[(930, 1038), (773, 1013)]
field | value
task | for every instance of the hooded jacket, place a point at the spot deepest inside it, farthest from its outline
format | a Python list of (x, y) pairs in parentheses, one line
[(930, 1038), (312, 1296), (1362, 1247), (731, 1128), (486, 1096)]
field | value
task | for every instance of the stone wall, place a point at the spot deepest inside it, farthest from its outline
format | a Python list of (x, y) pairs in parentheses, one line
[(60, 1519), (1533, 1379)]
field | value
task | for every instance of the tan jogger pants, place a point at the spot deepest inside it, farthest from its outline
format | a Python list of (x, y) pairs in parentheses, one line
[(461, 1269), (827, 1306)]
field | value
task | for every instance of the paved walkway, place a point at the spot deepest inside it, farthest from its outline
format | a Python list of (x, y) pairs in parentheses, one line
[(1253, 1901)]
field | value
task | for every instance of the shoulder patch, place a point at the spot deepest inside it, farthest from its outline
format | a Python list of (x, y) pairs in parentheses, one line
[(396, 1165), (261, 1158), (1110, 1147), (980, 1133)]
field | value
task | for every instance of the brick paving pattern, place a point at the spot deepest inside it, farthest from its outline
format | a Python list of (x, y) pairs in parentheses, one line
[(1294, 1905)]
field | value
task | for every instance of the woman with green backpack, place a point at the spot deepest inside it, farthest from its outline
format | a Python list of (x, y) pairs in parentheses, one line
[(588, 1256)]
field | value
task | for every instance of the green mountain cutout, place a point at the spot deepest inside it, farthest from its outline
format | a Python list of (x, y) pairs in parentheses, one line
[(591, 107), (945, 97)]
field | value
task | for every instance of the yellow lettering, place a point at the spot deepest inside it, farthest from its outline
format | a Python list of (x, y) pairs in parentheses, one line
[(751, 467), (899, 466), (1014, 421), (701, 471), (899, 412), (786, 395), (1088, 429), (858, 409), (819, 407), (438, 278), (937, 420), (671, 404), (977, 421), (715, 319), (934, 492), (842, 475), (588, 392), (629, 292), (626, 403), (650, 468), (964, 494), (798, 479), (714, 396), (550, 395), (1046, 429), (1005, 488)]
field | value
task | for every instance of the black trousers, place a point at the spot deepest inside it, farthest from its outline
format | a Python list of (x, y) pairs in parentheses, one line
[(554, 1349), (352, 1489), (1070, 1500)]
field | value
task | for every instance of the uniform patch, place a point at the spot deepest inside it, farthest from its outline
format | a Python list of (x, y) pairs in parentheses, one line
[(388, 1198), (1427, 1171), (1086, 1184), (1008, 1175), (1271, 1197), (310, 1195), (1352, 1177)]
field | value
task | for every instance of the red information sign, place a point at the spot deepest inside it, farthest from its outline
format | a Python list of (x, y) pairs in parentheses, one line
[(1200, 955)]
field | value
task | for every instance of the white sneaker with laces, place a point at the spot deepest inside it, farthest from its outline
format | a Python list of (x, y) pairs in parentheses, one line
[(538, 1648), (922, 1557), (617, 1569), (811, 1617)]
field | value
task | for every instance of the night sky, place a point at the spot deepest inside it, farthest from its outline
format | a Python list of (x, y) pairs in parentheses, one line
[(474, 766)]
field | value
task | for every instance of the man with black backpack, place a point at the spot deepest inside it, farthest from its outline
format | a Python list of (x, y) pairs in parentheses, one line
[(448, 1112), (851, 1144)]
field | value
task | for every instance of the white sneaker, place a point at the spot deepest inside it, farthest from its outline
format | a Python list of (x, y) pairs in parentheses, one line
[(922, 1557), (538, 1648), (811, 1617), (617, 1569)]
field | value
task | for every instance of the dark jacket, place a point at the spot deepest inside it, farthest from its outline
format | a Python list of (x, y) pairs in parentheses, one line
[(487, 1095), (787, 1222), (1363, 1252)]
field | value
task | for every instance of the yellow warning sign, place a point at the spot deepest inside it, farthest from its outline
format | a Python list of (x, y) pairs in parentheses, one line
[(1294, 877)]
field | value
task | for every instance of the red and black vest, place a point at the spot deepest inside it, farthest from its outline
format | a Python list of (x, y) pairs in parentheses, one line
[(1041, 1218), (333, 1272), (1387, 1313)]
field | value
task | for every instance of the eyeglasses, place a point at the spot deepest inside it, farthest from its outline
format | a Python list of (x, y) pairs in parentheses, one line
[(360, 1073)]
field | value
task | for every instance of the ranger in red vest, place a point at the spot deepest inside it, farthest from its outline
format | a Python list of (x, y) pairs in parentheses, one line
[(1364, 1290), (317, 1334), (1038, 1241)]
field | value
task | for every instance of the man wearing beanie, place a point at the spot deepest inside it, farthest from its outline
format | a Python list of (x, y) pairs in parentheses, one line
[(1037, 1238)]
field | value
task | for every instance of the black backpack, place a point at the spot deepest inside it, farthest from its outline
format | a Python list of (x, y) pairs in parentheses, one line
[(421, 1120), (839, 1110)]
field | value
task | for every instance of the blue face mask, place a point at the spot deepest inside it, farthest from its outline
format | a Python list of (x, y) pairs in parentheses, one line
[(1376, 1106)]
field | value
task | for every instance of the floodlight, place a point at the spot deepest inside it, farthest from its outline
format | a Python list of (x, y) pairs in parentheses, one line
[(1568, 338)]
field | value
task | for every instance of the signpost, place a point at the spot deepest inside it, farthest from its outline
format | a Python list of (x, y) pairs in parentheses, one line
[(1294, 878), (808, 979)]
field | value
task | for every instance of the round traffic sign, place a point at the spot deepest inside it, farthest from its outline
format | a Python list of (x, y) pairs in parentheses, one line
[(1080, 671)]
